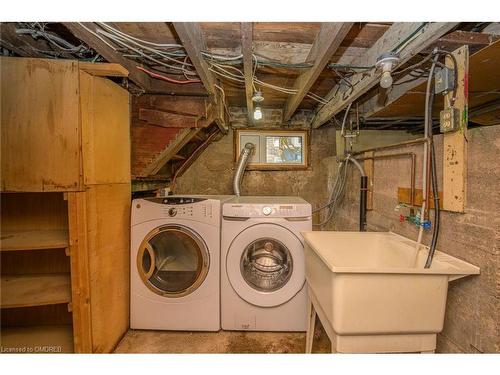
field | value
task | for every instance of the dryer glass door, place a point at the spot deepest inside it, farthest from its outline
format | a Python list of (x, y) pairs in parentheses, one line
[(173, 261)]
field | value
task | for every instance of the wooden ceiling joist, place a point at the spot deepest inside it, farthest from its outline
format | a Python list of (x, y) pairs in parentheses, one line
[(81, 31), (396, 37), (325, 45), (246, 50), (193, 41)]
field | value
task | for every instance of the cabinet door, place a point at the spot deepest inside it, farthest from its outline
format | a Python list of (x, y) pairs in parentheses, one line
[(40, 125), (105, 131)]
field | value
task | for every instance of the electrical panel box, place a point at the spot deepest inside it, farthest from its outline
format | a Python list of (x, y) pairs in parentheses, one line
[(444, 79), (449, 120)]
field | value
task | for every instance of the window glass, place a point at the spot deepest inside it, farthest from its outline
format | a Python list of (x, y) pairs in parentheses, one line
[(283, 149)]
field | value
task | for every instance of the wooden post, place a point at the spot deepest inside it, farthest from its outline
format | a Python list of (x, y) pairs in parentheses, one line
[(455, 143)]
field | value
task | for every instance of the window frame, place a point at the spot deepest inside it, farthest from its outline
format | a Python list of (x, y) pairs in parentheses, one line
[(304, 165)]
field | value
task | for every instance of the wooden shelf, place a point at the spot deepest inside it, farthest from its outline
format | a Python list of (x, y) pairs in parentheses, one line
[(35, 290), (34, 240), (37, 339)]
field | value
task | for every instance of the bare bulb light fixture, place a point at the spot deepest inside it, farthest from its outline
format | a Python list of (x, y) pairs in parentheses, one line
[(257, 113), (386, 62), (257, 98)]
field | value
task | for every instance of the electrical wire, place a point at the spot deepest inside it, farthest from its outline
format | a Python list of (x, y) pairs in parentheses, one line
[(168, 79)]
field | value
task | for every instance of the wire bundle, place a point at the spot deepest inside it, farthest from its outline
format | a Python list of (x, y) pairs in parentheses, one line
[(60, 47)]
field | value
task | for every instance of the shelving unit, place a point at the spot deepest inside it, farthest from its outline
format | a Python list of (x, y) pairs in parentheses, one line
[(34, 248), (34, 240), (65, 206), (35, 290)]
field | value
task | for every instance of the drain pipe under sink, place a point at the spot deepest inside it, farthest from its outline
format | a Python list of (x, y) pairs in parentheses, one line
[(245, 154)]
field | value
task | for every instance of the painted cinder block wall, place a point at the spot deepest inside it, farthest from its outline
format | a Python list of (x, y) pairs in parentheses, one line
[(472, 322)]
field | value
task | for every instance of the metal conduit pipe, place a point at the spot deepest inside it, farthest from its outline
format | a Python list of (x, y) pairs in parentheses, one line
[(245, 154)]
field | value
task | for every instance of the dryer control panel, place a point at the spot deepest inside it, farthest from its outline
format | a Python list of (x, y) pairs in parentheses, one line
[(266, 210), (176, 208)]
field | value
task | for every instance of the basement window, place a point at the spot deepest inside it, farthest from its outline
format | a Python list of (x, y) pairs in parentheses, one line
[(274, 149)]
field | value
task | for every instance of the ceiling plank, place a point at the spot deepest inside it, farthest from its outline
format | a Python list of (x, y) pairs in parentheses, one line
[(246, 49), (193, 41), (394, 38), (79, 30), (328, 40)]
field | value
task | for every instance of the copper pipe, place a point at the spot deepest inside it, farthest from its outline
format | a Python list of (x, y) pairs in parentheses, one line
[(412, 170)]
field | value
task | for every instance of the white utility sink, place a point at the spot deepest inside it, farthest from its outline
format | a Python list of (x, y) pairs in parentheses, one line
[(372, 293)]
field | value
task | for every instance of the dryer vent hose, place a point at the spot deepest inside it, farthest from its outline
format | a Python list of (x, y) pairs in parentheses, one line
[(245, 154)]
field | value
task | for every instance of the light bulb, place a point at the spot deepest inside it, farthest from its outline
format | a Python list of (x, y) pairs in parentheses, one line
[(386, 80), (257, 113)]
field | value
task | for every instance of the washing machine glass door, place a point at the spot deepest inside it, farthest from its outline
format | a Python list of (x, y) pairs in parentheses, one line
[(265, 265), (173, 261)]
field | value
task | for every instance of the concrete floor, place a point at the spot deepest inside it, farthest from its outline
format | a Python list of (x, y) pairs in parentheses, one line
[(140, 341)]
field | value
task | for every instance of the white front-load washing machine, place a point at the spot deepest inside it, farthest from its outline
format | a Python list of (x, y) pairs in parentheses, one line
[(175, 257), (262, 263)]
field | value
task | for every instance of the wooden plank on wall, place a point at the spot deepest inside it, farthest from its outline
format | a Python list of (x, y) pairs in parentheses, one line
[(455, 144), (40, 135), (105, 123), (80, 277), (393, 39), (328, 40)]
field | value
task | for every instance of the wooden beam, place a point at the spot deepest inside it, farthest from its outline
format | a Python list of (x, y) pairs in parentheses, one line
[(193, 41), (381, 98), (81, 31), (393, 39), (103, 69), (328, 40), (455, 143), (167, 119), (246, 50)]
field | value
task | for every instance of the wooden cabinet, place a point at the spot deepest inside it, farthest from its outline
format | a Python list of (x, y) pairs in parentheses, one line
[(62, 127), (65, 206)]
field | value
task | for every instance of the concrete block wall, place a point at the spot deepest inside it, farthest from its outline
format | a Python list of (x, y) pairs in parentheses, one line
[(472, 322)]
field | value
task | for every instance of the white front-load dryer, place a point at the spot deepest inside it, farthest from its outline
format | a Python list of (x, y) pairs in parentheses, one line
[(175, 256), (262, 263)]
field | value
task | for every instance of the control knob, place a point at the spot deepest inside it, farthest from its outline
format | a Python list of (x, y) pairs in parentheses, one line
[(172, 212), (267, 210)]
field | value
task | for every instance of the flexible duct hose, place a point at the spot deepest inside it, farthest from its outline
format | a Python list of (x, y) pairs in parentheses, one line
[(245, 154)]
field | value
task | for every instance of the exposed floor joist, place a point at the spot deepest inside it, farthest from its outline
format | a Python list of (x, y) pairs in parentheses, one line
[(393, 39), (193, 41), (246, 50), (325, 45), (84, 32)]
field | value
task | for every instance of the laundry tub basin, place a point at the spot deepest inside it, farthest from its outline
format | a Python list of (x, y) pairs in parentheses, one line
[(372, 292)]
